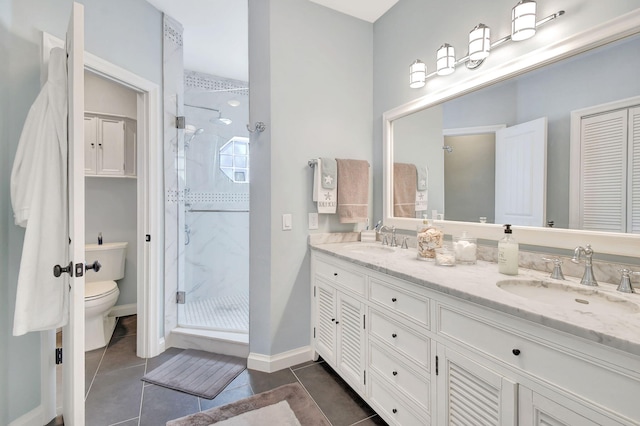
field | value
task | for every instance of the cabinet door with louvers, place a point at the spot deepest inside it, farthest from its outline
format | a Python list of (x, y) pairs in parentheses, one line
[(350, 353), (610, 172)]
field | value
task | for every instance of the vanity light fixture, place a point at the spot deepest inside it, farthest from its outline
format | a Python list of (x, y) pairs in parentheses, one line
[(523, 26), (417, 74), (445, 59), (523, 20), (479, 42)]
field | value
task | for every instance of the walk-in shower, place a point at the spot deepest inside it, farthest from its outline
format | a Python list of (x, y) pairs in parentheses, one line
[(216, 205)]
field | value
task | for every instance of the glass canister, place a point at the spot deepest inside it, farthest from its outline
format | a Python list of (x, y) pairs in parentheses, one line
[(445, 256), (429, 237), (466, 249)]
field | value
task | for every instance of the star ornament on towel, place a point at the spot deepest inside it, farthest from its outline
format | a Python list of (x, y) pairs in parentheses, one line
[(423, 183), (328, 179), (421, 196), (327, 196)]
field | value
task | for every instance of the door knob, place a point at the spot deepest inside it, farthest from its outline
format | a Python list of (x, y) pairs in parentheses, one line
[(58, 270), (95, 266)]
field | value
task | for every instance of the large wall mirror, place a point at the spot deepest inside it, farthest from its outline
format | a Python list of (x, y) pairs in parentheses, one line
[(456, 140)]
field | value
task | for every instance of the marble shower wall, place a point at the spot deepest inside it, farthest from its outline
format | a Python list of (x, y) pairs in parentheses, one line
[(173, 88), (217, 209)]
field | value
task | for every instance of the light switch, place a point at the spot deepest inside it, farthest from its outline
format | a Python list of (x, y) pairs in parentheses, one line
[(313, 220), (287, 222)]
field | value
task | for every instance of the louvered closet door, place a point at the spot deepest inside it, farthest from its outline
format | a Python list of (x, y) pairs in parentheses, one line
[(471, 395), (604, 172), (633, 215), (351, 344), (325, 321)]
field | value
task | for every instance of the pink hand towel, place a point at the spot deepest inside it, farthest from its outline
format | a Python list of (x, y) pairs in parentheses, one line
[(353, 190)]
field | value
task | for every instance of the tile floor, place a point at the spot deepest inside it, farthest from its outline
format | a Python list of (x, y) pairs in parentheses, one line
[(116, 395)]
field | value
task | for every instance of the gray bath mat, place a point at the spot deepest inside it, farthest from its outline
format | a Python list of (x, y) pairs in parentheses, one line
[(198, 373)]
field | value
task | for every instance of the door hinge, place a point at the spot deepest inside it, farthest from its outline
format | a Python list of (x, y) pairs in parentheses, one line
[(314, 291), (58, 356), (364, 377), (314, 332), (180, 122), (436, 365), (147, 238), (180, 297), (364, 322)]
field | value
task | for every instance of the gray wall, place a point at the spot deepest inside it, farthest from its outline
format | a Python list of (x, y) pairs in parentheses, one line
[(415, 29), (113, 31), (311, 80)]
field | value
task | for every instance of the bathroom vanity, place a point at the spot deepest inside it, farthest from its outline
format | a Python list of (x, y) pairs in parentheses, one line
[(425, 344)]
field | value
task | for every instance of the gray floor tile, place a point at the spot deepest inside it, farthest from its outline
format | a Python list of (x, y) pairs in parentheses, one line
[(227, 396), (126, 326), (160, 405), (114, 396), (374, 420), (261, 382), (132, 422), (121, 353), (304, 364), (336, 399), (91, 362)]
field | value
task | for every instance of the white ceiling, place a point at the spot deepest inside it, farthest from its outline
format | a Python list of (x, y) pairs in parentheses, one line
[(367, 10), (216, 32)]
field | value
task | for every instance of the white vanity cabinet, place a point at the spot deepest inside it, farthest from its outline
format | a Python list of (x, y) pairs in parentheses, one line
[(339, 323), (110, 145), (431, 358)]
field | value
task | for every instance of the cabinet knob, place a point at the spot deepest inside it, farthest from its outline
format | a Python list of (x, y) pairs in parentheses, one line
[(395, 410), (333, 320), (93, 144), (335, 274), (516, 352), (393, 299), (337, 322), (394, 335), (395, 373)]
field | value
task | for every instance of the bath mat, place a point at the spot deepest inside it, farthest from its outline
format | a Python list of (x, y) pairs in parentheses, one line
[(304, 408), (198, 373)]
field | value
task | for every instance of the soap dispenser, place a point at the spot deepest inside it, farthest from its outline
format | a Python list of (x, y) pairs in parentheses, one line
[(508, 253)]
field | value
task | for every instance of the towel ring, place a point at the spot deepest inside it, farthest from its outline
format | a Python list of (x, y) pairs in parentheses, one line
[(259, 127)]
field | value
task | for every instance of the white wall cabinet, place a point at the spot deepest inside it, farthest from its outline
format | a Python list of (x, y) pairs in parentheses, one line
[(434, 359), (110, 145)]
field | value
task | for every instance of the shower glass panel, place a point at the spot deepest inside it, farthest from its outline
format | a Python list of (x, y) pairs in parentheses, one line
[(216, 195)]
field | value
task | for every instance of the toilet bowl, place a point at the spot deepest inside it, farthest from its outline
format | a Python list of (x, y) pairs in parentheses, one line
[(101, 292)]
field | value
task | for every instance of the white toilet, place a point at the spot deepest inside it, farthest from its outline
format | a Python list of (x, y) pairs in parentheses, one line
[(101, 292)]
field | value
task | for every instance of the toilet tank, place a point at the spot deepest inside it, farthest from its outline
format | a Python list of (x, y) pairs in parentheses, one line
[(111, 256)]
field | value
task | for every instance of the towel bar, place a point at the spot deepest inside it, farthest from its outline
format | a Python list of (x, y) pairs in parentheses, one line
[(314, 161)]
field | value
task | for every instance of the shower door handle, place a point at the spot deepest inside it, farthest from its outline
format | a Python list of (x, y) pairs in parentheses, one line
[(58, 270)]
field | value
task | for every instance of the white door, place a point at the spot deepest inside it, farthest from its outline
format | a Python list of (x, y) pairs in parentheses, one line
[(521, 173), (73, 332)]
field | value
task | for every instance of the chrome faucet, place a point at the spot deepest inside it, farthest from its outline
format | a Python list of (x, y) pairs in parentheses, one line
[(587, 278), (557, 268), (385, 241), (625, 281)]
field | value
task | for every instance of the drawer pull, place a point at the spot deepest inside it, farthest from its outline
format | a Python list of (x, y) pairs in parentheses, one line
[(335, 274), (393, 299), (394, 335), (395, 373), (394, 411), (516, 352)]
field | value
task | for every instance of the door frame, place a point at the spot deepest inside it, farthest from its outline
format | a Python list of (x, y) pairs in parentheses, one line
[(150, 214)]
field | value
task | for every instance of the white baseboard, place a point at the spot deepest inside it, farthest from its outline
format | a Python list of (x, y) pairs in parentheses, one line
[(272, 363), (32, 418), (124, 310)]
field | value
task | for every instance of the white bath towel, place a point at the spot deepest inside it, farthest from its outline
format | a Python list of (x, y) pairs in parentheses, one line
[(326, 199), (422, 194), (39, 200)]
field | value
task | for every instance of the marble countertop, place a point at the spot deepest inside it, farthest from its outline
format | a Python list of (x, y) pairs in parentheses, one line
[(477, 284)]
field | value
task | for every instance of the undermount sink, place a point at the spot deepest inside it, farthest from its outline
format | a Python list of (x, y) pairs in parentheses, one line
[(370, 248), (584, 299)]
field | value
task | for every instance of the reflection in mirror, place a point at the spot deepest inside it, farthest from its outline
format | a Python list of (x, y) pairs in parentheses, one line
[(595, 77)]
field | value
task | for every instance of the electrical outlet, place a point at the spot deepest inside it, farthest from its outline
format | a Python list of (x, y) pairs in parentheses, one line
[(313, 221)]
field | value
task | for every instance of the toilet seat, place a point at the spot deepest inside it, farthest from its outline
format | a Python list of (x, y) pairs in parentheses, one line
[(99, 289)]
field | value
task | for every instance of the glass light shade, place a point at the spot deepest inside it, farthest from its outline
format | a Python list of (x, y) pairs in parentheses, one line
[(445, 60), (417, 74), (479, 42), (523, 20)]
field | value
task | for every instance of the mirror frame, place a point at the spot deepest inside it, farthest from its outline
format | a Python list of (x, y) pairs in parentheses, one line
[(602, 242)]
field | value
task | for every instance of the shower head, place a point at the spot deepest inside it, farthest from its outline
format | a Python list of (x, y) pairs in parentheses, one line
[(221, 120)]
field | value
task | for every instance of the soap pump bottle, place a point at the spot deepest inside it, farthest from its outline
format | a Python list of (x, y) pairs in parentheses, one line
[(508, 253)]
